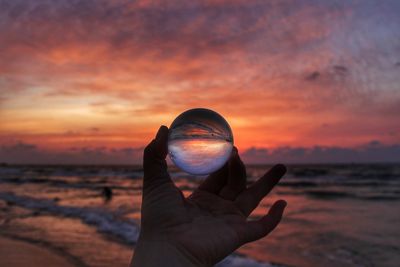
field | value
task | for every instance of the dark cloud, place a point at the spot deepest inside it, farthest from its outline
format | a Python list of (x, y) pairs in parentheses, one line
[(23, 153), (131, 151), (313, 76), (374, 151), (255, 153), (71, 133), (94, 129), (340, 69), (19, 147), (330, 75)]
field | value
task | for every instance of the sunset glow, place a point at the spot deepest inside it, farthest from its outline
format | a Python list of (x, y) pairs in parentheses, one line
[(91, 81)]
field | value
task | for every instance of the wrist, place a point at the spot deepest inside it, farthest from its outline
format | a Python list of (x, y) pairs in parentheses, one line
[(149, 253)]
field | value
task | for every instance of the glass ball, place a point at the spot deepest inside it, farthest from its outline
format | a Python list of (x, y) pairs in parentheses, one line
[(200, 141)]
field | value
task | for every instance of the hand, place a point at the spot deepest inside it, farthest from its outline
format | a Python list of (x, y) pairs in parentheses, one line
[(208, 225)]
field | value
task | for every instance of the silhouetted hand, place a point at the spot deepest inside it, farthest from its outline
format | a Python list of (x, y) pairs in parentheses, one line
[(208, 225)]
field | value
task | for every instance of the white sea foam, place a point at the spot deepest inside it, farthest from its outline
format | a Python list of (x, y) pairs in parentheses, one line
[(241, 261), (104, 221)]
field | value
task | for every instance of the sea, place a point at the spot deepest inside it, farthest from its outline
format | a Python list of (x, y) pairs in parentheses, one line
[(337, 214)]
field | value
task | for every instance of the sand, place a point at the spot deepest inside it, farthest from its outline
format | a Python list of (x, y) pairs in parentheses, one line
[(17, 253)]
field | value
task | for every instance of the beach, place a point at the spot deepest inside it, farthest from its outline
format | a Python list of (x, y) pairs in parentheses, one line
[(18, 253), (337, 215)]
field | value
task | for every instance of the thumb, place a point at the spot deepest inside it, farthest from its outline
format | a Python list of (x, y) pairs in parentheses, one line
[(154, 163)]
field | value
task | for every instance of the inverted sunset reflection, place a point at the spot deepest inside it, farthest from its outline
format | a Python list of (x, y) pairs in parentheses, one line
[(200, 156), (200, 141)]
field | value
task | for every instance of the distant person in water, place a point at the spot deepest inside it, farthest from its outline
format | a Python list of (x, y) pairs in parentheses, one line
[(107, 193), (207, 226)]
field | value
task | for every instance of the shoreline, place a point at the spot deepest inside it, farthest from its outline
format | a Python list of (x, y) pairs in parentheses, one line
[(18, 252)]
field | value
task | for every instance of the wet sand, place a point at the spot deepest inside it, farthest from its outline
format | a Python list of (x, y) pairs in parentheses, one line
[(17, 253)]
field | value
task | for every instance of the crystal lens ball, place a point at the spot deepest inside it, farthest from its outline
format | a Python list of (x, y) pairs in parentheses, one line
[(200, 141)]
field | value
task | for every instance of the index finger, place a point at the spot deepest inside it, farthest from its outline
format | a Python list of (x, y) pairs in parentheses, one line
[(154, 163)]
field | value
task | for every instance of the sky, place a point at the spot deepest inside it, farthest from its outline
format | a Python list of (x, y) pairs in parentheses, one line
[(88, 82)]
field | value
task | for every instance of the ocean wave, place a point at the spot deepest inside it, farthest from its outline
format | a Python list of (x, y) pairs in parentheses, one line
[(309, 172), (131, 172), (10, 170), (105, 222), (325, 194), (242, 261), (382, 197), (97, 184), (298, 183)]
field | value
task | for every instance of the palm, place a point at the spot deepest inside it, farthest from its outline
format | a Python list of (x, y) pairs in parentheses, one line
[(214, 227), (212, 222)]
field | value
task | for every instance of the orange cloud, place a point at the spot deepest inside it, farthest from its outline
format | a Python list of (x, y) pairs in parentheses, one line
[(297, 73)]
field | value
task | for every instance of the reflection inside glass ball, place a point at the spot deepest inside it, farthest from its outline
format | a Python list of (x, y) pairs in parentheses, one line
[(200, 141)]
